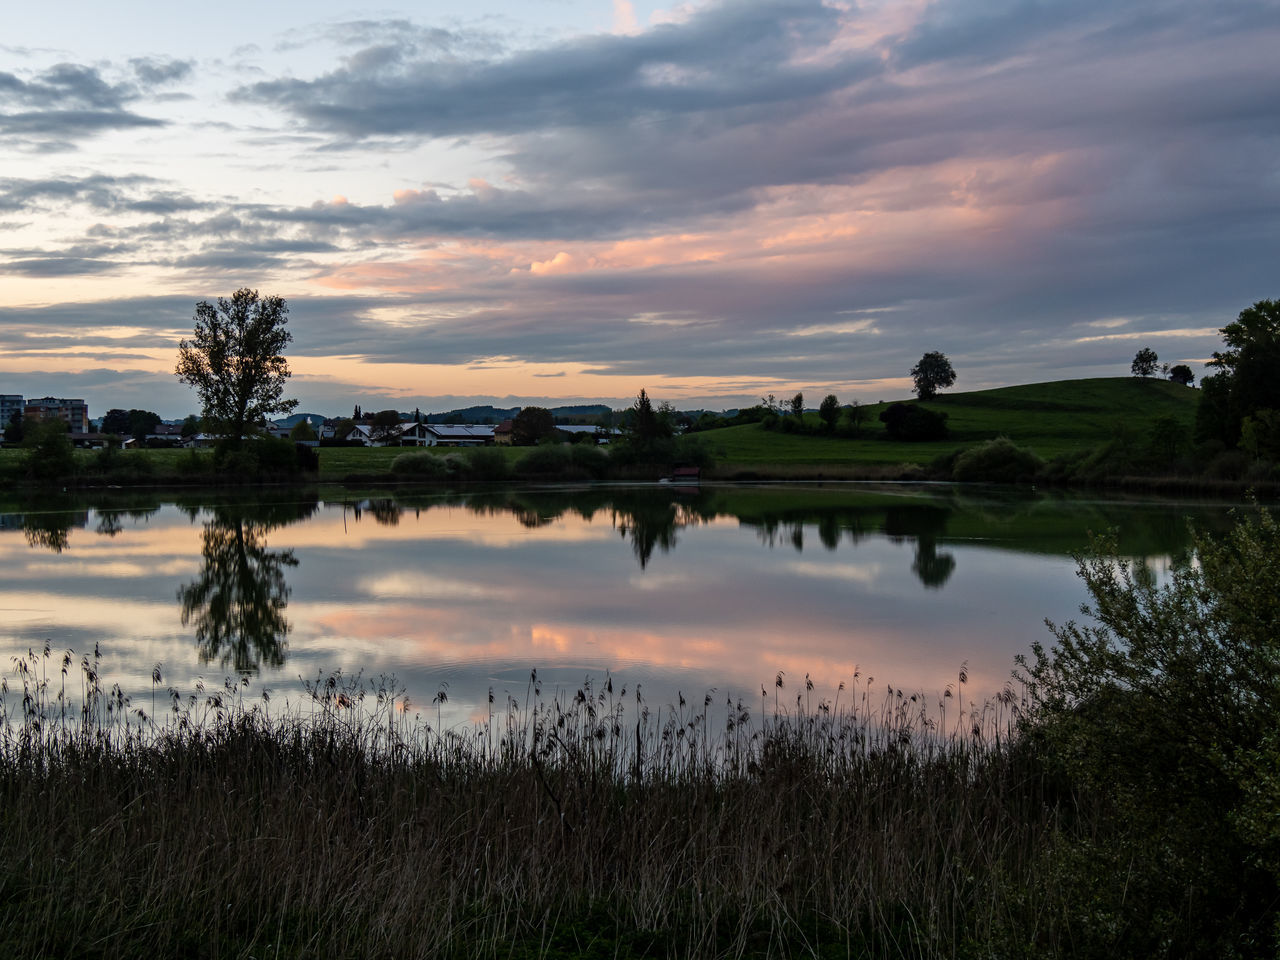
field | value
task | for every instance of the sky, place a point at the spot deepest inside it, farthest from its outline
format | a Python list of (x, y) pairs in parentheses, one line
[(564, 201)]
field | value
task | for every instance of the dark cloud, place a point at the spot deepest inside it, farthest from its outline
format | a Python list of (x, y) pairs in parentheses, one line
[(64, 103), (56, 266), (155, 72), (727, 58)]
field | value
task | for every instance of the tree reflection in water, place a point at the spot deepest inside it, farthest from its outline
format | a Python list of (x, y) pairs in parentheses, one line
[(237, 604), (50, 529)]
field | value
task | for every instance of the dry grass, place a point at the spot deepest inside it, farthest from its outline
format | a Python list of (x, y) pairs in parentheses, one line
[(585, 825)]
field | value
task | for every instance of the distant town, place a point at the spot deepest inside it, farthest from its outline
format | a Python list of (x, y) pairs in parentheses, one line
[(468, 427)]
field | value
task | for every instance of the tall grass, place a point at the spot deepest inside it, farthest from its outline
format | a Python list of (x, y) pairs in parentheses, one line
[(583, 824)]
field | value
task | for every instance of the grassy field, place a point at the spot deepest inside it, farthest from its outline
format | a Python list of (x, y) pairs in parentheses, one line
[(1049, 418)]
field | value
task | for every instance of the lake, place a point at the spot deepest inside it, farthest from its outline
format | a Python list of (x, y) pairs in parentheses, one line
[(724, 588)]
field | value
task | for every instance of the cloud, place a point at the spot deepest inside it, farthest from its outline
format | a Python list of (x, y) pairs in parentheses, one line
[(156, 72), (781, 192), (66, 102), (726, 57)]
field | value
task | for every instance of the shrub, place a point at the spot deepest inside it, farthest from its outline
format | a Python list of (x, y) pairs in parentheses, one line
[(912, 422), (50, 458), (591, 459), (997, 461), (1228, 465), (545, 460), (488, 463), (419, 465), (1161, 717)]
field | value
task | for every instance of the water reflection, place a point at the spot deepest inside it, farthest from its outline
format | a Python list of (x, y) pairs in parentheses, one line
[(722, 586), (237, 603)]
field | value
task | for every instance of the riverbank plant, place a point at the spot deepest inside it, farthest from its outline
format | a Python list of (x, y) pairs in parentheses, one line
[(560, 826)]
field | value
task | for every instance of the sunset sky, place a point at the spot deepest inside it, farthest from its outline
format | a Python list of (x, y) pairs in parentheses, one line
[(560, 201)]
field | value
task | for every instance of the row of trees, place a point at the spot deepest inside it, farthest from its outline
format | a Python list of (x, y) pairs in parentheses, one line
[(1145, 363)]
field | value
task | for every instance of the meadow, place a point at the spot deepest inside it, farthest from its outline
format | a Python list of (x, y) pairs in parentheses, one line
[(1047, 419), (1063, 416)]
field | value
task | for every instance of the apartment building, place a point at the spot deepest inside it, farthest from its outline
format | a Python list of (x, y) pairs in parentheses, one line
[(10, 403), (74, 412)]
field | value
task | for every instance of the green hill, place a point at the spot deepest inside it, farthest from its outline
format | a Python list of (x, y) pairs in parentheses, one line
[(1049, 418)]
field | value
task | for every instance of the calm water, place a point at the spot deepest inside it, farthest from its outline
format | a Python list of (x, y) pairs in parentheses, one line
[(675, 590)]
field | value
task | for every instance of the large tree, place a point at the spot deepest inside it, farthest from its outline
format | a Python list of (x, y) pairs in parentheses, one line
[(235, 361), (1144, 362), (931, 373), (532, 424), (1246, 381), (385, 427)]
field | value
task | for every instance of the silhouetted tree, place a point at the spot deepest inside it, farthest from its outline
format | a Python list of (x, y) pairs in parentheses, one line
[(1247, 379), (931, 373), (829, 411), (385, 426), (532, 424), (1181, 373), (1144, 362), (235, 362)]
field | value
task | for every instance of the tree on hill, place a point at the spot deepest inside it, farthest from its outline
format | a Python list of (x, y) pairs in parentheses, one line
[(236, 364), (797, 406), (532, 424), (932, 373), (1181, 373), (1144, 362), (829, 411)]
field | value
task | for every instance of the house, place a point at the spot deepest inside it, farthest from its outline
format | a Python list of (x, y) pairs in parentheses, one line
[(448, 435), (504, 433)]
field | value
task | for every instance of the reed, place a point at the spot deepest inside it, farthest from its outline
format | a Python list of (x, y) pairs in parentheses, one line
[(589, 823)]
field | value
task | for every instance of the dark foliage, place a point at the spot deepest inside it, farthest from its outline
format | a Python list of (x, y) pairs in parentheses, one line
[(912, 422)]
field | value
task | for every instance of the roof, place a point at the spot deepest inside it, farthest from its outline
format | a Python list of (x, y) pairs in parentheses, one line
[(460, 431)]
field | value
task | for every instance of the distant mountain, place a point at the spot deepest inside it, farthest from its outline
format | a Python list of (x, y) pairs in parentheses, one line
[(487, 414), (483, 414), (295, 419)]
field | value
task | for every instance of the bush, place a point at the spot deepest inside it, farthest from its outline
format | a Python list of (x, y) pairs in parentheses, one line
[(488, 463), (1228, 465), (546, 460), (50, 458), (591, 459), (420, 465), (997, 461), (912, 422), (261, 458), (1162, 719)]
